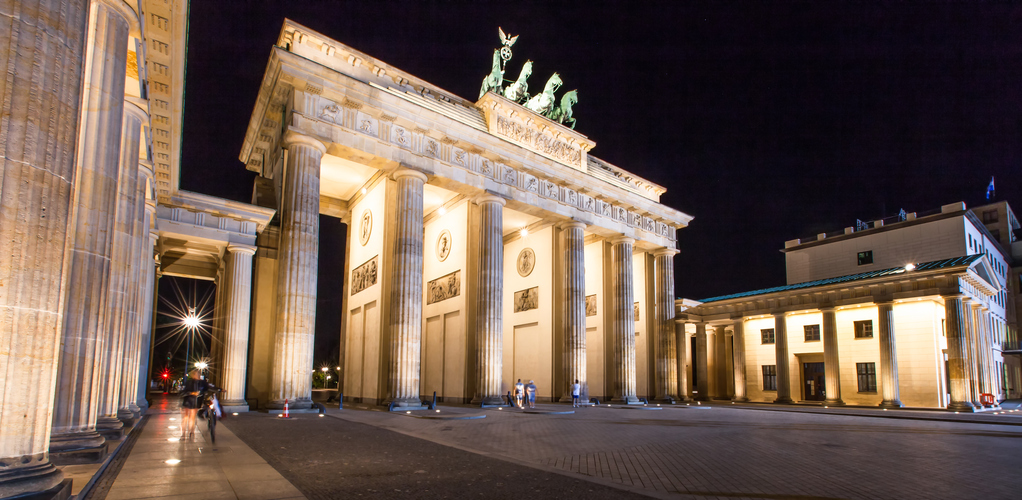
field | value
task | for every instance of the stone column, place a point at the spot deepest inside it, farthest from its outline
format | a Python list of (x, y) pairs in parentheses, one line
[(298, 265), (956, 323), (831, 358), (137, 258), (76, 402), (41, 63), (236, 321), (623, 309), (489, 299), (888, 357), (988, 354), (720, 362), (150, 296), (979, 329), (739, 354), (667, 352), (972, 373), (216, 347), (781, 355), (681, 341), (700, 362), (406, 289), (574, 309)]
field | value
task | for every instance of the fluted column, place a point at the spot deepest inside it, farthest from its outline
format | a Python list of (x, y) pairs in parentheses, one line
[(236, 321), (41, 61), (971, 353), (623, 308), (149, 298), (988, 354), (956, 323), (781, 355), (489, 299), (406, 289), (979, 334), (888, 357), (738, 341), (720, 362), (574, 259), (681, 341), (138, 258), (700, 364), (298, 267), (831, 358), (666, 351), (216, 348)]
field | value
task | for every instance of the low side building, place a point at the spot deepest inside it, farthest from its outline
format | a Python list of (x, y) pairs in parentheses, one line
[(903, 312)]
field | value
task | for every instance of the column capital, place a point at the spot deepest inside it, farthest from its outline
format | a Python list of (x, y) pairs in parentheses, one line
[(292, 138), (130, 16), (779, 314), (670, 252), (828, 308), (618, 240), (154, 238), (238, 248), (737, 318), (407, 172), (959, 296), (887, 302), (572, 223), (489, 198)]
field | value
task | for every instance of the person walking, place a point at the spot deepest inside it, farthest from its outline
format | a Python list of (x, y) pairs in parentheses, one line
[(193, 389), (520, 394), (530, 392), (576, 390)]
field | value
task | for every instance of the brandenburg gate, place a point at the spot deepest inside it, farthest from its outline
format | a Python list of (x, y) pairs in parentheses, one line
[(485, 243)]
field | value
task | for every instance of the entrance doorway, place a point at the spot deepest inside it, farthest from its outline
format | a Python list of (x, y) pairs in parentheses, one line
[(813, 381)]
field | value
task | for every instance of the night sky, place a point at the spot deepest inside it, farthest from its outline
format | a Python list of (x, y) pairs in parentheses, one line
[(765, 121)]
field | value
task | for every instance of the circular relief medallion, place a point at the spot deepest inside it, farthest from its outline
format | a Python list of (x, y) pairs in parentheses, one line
[(526, 261), (443, 245), (365, 227)]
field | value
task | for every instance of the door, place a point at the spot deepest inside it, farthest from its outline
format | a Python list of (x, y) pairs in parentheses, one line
[(813, 385)]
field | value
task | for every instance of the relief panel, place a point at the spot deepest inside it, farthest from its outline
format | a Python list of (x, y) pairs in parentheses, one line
[(443, 288)]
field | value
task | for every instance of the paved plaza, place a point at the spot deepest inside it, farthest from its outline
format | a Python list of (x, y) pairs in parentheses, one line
[(713, 451)]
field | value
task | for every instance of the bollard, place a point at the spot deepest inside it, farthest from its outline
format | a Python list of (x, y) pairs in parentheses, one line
[(340, 400), (433, 406)]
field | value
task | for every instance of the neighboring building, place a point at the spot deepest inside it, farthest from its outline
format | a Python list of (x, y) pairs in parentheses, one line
[(910, 310)]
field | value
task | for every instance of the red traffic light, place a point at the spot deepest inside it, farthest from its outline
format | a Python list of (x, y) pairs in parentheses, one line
[(166, 375)]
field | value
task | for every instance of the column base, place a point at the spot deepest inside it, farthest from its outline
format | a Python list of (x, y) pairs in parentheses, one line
[(742, 399), (127, 417), (666, 400), (234, 406), (784, 400), (833, 402), (408, 403), (961, 406), (110, 428), (626, 400), (301, 404), (891, 404), (143, 406), (87, 447), (35, 482)]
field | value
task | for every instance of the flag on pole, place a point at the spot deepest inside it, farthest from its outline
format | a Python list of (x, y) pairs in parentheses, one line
[(990, 187)]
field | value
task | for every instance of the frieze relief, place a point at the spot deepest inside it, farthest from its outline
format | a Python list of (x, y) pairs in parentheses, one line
[(543, 142), (443, 288), (590, 305), (527, 300), (347, 114), (364, 276)]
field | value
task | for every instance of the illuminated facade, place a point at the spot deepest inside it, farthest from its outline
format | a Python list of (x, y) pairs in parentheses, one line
[(911, 311)]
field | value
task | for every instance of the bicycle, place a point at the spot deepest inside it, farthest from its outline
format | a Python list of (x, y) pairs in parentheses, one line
[(209, 411)]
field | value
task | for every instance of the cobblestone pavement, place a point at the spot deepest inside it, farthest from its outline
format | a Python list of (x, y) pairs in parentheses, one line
[(326, 458), (720, 451)]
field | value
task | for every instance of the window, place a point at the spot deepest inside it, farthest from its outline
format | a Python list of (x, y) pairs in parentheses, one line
[(996, 234), (867, 374), (864, 329), (769, 377), (812, 332), (865, 257), (768, 335), (989, 216)]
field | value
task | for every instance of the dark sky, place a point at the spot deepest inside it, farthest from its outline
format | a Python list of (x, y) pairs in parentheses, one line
[(765, 121)]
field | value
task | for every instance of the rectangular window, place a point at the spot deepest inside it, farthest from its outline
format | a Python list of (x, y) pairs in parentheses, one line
[(865, 257), (989, 216), (768, 335), (812, 332), (864, 329), (867, 374), (769, 377), (996, 233)]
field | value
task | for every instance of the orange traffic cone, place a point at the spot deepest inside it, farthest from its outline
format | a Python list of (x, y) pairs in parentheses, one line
[(286, 414)]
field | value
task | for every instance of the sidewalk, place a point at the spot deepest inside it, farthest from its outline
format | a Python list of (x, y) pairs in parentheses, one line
[(160, 466)]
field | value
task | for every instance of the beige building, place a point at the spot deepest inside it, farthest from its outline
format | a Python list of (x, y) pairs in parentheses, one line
[(910, 311), (485, 243)]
